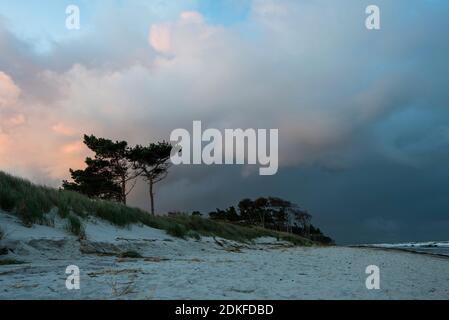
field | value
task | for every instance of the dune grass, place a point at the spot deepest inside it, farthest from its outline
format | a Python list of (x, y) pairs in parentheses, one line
[(32, 203), (75, 226)]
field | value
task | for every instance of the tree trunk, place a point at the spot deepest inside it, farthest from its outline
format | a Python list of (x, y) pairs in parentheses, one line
[(151, 197), (124, 190)]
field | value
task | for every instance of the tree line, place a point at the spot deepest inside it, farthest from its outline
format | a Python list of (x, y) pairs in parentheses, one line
[(111, 174), (272, 213)]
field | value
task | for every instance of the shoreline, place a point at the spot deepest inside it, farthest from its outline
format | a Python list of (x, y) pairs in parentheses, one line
[(401, 249), (406, 250)]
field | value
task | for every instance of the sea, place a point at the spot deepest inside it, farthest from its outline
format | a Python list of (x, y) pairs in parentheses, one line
[(440, 248)]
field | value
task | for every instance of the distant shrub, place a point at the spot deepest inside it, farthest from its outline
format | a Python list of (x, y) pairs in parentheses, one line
[(75, 226), (2, 233), (177, 214)]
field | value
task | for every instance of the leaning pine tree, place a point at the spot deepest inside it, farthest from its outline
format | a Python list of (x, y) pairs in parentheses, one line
[(152, 163), (106, 175)]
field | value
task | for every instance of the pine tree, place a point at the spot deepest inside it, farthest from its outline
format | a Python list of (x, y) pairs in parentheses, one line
[(96, 181), (152, 163), (106, 175)]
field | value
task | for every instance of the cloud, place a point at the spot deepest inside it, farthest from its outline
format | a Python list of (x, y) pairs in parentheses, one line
[(62, 129), (10, 109), (343, 98), (160, 38), (9, 92), (73, 147)]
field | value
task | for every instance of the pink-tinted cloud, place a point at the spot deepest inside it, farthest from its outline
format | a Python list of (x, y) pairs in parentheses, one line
[(9, 92), (62, 129), (33, 139), (73, 148), (160, 37)]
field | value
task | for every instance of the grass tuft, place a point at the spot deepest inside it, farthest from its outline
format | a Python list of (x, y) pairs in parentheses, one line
[(177, 230), (194, 235), (75, 226)]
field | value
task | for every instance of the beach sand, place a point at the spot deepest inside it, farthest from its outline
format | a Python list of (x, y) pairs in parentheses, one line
[(188, 269)]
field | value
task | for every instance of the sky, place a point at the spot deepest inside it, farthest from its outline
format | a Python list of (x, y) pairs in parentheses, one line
[(363, 115)]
